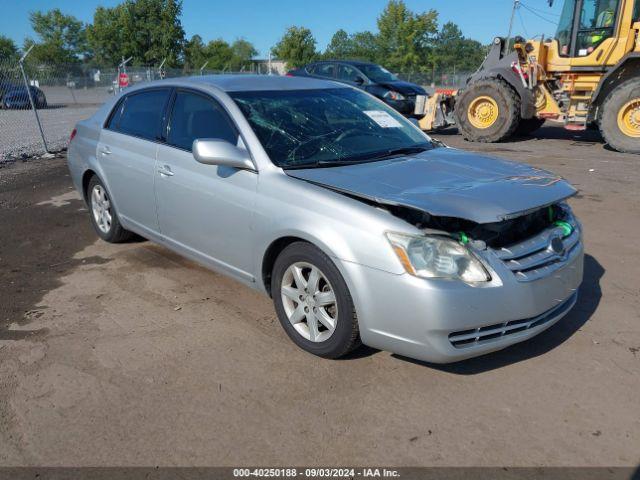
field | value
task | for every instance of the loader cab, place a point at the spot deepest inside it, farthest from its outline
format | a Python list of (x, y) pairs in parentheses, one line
[(585, 25)]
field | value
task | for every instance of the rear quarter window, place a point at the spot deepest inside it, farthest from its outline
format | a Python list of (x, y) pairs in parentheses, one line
[(140, 114)]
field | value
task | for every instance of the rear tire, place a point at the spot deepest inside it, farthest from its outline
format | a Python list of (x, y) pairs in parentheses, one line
[(488, 111), (309, 306), (103, 214), (620, 117), (529, 125)]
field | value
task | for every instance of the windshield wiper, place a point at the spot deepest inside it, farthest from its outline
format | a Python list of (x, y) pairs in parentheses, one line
[(368, 157), (392, 152)]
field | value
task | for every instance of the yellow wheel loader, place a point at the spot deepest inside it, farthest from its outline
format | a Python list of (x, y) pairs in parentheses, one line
[(587, 75)]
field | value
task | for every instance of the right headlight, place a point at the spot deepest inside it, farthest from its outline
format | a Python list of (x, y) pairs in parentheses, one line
[(393, 95), (437, 257)]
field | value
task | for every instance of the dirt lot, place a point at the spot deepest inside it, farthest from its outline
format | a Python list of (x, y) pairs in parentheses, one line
[(131, 355)]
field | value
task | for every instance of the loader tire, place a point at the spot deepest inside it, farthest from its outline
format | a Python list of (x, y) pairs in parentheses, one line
[(488, 111), (529, 125), (620, 117)]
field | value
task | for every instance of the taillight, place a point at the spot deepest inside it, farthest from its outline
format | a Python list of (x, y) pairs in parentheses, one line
[(288, 74), (73, 134)]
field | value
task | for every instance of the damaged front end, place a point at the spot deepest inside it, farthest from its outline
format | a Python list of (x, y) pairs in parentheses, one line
[(513, 212), (531, 246), (494, 235)]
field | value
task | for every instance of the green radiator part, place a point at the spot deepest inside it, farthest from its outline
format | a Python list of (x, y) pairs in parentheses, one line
[(567, 229)]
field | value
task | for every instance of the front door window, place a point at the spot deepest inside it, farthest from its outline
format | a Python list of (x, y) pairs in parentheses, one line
[(565, 27), (597, 23)]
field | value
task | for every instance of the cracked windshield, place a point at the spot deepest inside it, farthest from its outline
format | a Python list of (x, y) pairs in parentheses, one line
[(308, 128)]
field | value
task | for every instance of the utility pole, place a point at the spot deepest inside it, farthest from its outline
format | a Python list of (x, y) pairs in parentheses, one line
[(516, 5)]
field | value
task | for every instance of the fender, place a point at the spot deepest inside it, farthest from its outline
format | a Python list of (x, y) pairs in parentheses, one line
[(497, 65), (627, 67)]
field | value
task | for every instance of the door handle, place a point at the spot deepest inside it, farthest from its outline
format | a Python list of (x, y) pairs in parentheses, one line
[(105, 150), (165, 171)]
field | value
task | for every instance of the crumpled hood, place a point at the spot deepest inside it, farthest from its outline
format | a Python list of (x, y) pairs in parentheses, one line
[(447, 182)]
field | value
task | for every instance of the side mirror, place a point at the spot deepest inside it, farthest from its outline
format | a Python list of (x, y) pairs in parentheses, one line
[(359, 80), (212, 151)]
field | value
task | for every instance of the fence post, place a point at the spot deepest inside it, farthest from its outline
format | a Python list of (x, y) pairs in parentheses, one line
[(33, 105), (122, 65)]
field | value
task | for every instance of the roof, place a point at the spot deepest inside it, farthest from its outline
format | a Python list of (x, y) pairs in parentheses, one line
[(245, 83), (348, 62)]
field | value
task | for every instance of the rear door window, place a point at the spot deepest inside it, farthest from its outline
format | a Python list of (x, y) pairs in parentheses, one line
[(348, 73), (197, 116), (140, 114), (327, 70)]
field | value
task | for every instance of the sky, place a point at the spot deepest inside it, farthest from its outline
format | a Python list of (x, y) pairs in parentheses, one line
[(263, 22)]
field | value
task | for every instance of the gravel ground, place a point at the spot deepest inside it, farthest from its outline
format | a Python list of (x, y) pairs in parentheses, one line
[(20, 137), (132, 355)]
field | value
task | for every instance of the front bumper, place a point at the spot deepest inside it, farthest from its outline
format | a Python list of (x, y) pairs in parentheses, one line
[(406, 107), (420, 318)]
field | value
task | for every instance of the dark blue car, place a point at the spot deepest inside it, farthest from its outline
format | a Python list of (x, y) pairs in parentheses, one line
[(372, 78), (16, 96)]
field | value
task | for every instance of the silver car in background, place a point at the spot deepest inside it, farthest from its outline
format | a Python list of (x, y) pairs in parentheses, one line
[(360, 228)]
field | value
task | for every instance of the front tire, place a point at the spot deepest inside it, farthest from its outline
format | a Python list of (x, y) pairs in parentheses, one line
[(620, 119), (103, 214), (313, 302), (488, 111)]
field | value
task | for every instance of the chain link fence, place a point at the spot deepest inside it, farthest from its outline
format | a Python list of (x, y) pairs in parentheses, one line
[(434, 80), (64, 94)]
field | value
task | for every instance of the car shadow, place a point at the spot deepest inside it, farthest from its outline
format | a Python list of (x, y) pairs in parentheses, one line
[(589, 298)]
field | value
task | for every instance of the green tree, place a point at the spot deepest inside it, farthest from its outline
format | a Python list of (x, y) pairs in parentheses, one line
[(194, 53), (364, 46), (61, 38), (150, 31), (404, 37), (105, 35), (453, 52), (297, 47), (243, 51), (8, 49), (219, 55), (359, 46), (340, 46)]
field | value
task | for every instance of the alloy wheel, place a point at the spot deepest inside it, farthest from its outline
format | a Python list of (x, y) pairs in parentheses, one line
[(309, 301), (101, 208)]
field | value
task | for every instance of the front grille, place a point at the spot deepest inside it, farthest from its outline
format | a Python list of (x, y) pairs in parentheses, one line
[(535, 258), (489, 333)]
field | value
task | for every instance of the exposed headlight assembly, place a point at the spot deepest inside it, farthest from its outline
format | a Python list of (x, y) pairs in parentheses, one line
[(391, 95), (437, 257)]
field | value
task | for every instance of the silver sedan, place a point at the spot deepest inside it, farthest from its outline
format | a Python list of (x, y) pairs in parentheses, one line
[(359, 226)]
